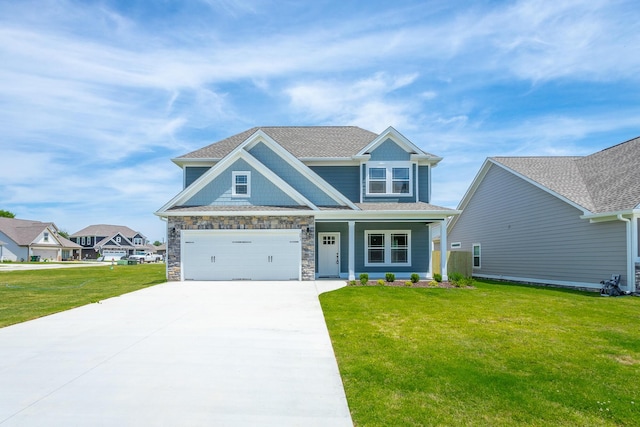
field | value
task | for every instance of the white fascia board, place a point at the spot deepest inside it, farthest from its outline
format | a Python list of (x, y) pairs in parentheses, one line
[(609, 216), (239, 213), (195, 162), (423, 159), (260, 136), (399, 216), (221, 166)]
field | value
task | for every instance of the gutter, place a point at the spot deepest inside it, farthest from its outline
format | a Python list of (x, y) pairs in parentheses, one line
[(630, 267)]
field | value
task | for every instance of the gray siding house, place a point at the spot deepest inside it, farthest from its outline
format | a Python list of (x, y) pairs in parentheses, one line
[(568, 221), (301, 203)]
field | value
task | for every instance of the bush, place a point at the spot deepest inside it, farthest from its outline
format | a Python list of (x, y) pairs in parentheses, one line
[(408, 283), (364, 278), (380, 282), (415, 277), (437, 277), (455, 277), (352, 282), (390, 277)]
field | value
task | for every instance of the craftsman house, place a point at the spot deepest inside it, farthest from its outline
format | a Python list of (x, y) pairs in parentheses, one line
[(110, 242), (300, 203), (27, 240)]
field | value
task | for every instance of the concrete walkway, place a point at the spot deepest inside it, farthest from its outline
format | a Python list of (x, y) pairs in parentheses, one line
[(177, 354)]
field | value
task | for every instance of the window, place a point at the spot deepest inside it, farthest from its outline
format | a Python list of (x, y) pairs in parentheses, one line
[(89, 240), (46, 236), (241, 184), (476, 255), (392, 179), (456, 245), (387, 248), (82, 241), (137, 241), (118, 239)]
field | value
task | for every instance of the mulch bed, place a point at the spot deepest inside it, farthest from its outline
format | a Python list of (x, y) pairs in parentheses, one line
[(420, 284)]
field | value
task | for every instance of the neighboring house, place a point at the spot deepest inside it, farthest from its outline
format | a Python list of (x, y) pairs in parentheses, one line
[(280, 203), (24, 240), (110, 241), (569, 221)]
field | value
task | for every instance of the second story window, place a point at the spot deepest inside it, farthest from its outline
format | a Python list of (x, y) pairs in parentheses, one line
[(46, 236), (394, 179), (118, 239), (241, 184)]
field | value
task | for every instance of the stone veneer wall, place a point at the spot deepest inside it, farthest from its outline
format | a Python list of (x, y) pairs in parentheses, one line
[(241, 223)]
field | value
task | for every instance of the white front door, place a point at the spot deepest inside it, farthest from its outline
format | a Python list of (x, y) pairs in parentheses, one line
[(329, 254)]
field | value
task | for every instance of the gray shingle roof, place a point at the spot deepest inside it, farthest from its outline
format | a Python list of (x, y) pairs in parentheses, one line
[(22, 231), (102, 230), (301, 141), (606, 181)]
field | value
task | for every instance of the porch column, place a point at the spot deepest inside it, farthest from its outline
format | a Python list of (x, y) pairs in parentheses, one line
[(352, 250), (443, 249)]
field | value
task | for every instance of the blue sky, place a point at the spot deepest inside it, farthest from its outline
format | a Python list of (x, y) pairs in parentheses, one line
[(96, 97)]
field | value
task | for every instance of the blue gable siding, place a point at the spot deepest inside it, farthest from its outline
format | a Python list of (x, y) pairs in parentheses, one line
[(288, 173), (343, 178), (191, 173), (423, 184), (263, 191), (389, 151)]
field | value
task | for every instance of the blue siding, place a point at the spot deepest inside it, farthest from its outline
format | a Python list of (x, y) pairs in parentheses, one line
[(342, 178), (294, 178), (343, 229), (263, 191), (423, 184), (411, 198), (419, 247), (389, 151), (191, 173)]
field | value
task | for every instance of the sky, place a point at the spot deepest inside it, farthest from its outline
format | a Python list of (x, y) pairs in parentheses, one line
[(97, 97)]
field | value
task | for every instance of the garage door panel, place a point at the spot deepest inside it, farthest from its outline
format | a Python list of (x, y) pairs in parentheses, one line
[(241, 255)]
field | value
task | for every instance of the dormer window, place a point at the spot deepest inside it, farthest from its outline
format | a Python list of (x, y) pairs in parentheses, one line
[(389, 179), (241, 184)]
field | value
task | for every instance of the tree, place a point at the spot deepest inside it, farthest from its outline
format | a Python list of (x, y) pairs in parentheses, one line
[(7, 214), (63, 233), (157, 243)]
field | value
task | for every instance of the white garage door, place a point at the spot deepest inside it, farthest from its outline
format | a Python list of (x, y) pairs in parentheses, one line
[(241, 254)]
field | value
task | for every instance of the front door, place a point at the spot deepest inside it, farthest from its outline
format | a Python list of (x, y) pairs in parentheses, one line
[(329, 254)]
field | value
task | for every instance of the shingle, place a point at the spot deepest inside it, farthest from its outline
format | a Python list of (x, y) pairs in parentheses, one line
[(606, 181), (301, 141), (107, 230)]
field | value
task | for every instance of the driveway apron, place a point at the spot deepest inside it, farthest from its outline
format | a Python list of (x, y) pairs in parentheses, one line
[(177, 354)]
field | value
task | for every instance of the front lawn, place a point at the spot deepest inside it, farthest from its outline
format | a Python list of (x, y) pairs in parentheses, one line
[(496, 355), (29, 294)]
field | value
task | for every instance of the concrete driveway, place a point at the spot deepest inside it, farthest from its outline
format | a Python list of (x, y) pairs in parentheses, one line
[(177, 354)]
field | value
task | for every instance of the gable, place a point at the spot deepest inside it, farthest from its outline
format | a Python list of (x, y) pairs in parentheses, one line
[(219, 190), (389, 150), (291, 175)]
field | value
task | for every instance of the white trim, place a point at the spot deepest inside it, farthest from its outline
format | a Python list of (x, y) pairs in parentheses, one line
[(388, 167), (387, 248), (321, 236), (352, 250), (234, 184), (402, 141), (473, 255)]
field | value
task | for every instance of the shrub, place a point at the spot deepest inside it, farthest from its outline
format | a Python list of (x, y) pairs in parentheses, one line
[(352, 282), (364, 278), (455, 277), (380, 282), (409, 283), (433, 283), (437, 277), (415, 277), (390, 277)]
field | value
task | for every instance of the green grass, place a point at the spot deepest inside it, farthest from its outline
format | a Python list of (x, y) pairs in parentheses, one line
[(497, 355), (26, 295)]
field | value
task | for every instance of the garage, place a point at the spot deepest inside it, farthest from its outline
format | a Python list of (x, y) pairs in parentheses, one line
[(241, 254), (45, 254)]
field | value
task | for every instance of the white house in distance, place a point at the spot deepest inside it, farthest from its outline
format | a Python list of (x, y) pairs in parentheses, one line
[(26, 240), (568, 221)]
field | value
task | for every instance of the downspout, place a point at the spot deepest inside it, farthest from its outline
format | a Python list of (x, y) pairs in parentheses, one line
[(631, 273)]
